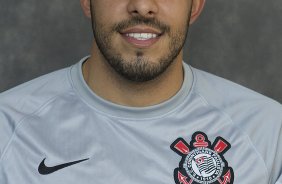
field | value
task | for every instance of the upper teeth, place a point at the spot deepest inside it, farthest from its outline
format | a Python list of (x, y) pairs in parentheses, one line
[(142, 36)]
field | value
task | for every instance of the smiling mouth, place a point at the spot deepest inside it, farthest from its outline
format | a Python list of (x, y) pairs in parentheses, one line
[(141, 38)]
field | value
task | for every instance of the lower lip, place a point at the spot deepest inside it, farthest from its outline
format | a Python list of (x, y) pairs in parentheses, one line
[(141, 43)]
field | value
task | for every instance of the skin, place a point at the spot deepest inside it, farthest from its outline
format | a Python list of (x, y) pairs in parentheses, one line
[(136, 85)]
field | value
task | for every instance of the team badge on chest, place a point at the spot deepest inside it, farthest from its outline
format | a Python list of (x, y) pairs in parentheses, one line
[(202, 162)]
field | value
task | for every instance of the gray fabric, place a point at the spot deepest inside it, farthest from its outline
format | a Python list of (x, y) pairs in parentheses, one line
[(56, 117)]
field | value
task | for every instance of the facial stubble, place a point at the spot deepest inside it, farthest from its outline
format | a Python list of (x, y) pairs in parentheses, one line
[(139, 68)]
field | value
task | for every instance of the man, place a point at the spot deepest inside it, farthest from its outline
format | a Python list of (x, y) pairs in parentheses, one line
[(133, 112)]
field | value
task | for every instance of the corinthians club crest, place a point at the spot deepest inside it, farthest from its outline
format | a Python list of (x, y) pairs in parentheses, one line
[(202, 162)]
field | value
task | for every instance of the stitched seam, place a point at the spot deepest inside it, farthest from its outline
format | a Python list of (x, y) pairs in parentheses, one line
[(170, 112), (188, 96), (232, 123), (19, 122)]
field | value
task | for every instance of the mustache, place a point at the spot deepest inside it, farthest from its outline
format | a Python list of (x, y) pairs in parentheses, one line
[(151, 22)]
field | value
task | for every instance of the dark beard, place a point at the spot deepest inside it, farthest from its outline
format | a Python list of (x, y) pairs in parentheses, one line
[(139, 68)]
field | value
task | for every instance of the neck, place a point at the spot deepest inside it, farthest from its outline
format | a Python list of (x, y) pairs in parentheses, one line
[(106, 83)]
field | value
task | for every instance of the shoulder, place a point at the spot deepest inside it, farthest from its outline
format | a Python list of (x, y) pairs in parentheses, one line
[(31, 94), (255, 115), (27, 98), (233, 98)]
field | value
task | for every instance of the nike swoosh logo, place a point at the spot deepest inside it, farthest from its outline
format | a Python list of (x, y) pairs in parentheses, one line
[(44, 170)]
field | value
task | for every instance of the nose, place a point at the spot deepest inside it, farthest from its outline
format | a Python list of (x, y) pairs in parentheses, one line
[(144, 8)]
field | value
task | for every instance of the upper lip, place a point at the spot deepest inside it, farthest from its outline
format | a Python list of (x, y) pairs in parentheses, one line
[(138, 29)]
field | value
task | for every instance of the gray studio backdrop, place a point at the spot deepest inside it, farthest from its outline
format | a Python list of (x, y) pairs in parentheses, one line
[(240, 40)]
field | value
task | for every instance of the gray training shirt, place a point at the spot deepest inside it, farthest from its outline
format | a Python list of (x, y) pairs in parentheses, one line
[(55, 130)]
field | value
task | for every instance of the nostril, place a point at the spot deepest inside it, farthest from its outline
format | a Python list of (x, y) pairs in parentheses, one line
[(135, 13), (148, 14)]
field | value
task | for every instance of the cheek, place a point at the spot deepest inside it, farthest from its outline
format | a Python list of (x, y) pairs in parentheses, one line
[(107, 11), (177, 12)]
